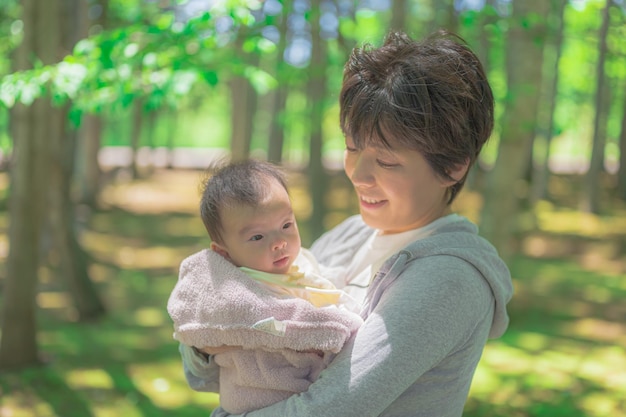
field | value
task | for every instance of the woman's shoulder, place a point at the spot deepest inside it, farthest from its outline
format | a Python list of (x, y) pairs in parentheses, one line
[(354, 223), (352, 228), (343, 239)]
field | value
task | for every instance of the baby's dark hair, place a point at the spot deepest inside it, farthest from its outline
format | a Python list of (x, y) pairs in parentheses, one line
[(431, 96), (237, 183)]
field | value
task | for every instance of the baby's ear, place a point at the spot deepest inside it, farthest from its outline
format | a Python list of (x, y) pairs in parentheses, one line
[(219, 249)]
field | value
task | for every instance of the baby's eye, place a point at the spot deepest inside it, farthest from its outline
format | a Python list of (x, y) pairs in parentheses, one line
[(287, 225), (256, 237)]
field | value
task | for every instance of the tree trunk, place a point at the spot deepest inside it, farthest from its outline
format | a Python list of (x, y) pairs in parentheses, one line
[(171, 137), (242, 97), (505, 183), (88, 172), (591, 194), (445, 16), (621, 173), (151, 124), (541, 175), (28, 177), (243, 108), (277, 124), (73, 267), (399, 15), (135, 135), (72, 261), (318, 181), (489, 16)]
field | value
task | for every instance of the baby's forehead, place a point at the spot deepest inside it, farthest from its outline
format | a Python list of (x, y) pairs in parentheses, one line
[(273, 207)]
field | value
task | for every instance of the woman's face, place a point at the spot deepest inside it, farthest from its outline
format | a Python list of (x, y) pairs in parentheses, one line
[(397, 188)]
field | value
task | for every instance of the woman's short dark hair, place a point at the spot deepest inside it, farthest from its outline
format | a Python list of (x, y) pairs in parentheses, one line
[(237, 183), (431, 96)]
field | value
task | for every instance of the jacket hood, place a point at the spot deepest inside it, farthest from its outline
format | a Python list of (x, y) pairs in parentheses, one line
[(460, 238)]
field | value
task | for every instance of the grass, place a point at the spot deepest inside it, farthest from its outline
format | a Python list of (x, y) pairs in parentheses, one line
[(563, 355)]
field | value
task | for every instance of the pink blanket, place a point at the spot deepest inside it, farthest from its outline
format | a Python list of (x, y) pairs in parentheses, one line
[(214, 304)]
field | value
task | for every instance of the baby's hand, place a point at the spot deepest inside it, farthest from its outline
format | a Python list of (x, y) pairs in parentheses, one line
[(215, 350)]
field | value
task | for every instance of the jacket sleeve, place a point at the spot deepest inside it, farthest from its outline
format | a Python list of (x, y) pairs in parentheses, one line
[(201, 372)]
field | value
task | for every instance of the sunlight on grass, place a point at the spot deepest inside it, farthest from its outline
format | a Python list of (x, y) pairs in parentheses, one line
[(12, 408), (150, 317), (563, 355), (469, 204), (174, 191), (185, 227), (4, 246), (301, 202), (577, 347), (167, 386), (597, 329), (89, 378), (532, 341), (116, 407), (50, 299), (568, 221), (595, 378), (600, 405), (129, 253)]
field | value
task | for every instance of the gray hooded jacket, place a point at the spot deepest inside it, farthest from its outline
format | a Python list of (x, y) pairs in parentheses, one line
[(428, 314)]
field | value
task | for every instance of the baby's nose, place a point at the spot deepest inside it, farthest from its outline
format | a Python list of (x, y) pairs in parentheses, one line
[(279, 244)]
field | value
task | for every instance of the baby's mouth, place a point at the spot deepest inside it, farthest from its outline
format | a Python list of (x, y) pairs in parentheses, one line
[(280, 262)]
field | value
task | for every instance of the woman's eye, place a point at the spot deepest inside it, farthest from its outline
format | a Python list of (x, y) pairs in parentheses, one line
[(384, 164), (351, 150), (256, 237)]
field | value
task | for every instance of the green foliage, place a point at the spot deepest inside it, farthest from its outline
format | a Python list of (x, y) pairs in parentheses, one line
[(160, 60), (10, 32), (367, 26)]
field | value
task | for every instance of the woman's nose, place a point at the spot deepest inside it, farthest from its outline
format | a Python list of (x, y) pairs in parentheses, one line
[(360, 170)]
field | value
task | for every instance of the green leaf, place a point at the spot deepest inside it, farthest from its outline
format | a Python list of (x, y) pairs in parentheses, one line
[(69, 78), (8, 91), (183, 81), (210, 77), (29, 92), (261, 81), (164, 21)]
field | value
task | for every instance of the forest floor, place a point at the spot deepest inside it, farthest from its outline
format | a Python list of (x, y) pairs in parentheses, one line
[(563, 355)]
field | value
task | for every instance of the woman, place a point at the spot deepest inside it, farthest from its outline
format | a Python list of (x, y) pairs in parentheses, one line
[(415, 116)]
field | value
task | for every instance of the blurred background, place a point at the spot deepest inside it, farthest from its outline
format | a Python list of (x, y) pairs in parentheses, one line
[(111, 111)]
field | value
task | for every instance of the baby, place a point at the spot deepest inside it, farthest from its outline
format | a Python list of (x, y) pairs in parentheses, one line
[(258, 290)]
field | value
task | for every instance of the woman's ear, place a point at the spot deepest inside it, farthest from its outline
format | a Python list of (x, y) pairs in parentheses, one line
[(220, 250), (458, 172)]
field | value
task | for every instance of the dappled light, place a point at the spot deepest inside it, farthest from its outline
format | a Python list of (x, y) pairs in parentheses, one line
[(52, 300), (562, 356), (177, 191), (151, 317), (110, 117)]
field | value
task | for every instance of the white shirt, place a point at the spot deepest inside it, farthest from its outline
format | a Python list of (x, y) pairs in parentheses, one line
[(377, 249)]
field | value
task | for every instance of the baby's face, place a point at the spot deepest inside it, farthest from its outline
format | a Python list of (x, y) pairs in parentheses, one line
[(264, 237)]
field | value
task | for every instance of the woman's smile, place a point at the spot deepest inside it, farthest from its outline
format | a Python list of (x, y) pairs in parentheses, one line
[(370, 203)]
